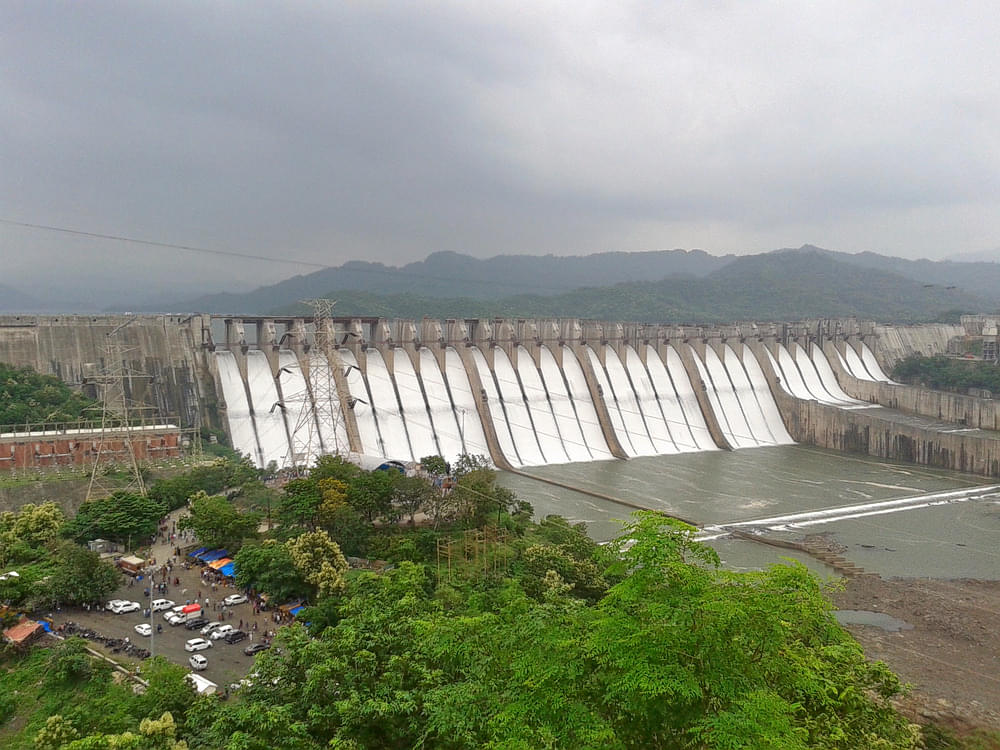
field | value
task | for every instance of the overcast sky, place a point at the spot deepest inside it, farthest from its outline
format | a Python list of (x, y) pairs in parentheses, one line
[(331, 131)]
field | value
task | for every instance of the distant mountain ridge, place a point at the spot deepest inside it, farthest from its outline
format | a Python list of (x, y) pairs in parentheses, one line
[(673, 285), (772, 286), (448, 274)]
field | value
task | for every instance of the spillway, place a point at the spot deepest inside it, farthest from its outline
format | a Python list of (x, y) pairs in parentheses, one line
[(759, 428), (810, 376), (498, 410), (527, 440), (268, 416), (829, 379), (241, 428), (466, 416), (872, 365), (765, 399), (543, 418), (688, 401), (614, 411), (386, 407), (628, 404), (739, 429), (414, 407), (581, 402), (649, 404), (855, 366), (442, 411), (791, 380), (371, 441)]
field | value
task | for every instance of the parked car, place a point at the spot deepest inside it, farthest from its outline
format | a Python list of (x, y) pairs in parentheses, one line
[(175, 610), (234, 599), (254, 648), (211, 627), (144, 628), (197, 661), (235, 636), (197, 644), (123, 607), (158, 605), (221, 632), (115, 603), (196, 624)]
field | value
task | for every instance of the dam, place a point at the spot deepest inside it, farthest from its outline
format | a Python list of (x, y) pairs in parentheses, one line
[(524, 393)]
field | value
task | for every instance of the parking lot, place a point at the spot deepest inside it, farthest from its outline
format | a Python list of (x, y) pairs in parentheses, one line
[(226, 662)]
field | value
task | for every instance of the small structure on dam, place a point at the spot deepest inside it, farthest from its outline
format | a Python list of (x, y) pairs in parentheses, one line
[(526, 392)]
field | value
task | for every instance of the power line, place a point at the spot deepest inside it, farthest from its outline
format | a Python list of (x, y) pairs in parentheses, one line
[(154, 243)]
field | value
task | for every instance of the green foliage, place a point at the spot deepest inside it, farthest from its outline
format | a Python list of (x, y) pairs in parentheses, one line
[(212, 478), (435, 465), (947, 373), (27, 397), (370, 493), (121, 517), (319, 561), (24, 534), (69, 661), (268, 567), (79, 576), (218, 523)]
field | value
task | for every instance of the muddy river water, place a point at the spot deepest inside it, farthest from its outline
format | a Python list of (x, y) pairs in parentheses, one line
[(945, 525)]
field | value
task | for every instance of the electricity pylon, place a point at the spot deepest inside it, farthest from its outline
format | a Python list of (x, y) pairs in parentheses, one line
[(115, 421), (320, 403)]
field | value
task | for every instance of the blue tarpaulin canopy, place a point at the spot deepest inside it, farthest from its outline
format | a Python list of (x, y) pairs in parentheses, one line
[(197, 552), (216, 554), (294, 612), (229, 570)]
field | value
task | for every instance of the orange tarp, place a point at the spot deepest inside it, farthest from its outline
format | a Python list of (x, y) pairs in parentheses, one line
[(219, 563)]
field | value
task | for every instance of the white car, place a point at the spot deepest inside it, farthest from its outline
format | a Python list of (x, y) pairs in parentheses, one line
[(144, 628), (160, 604), (123, 607), (197, 644), (210, 627), (221, 632), (197, 661), (234, 599), (173, 611), (115, 603)]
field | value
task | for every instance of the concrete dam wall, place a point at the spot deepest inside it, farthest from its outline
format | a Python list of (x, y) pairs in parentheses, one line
[(522, 392)]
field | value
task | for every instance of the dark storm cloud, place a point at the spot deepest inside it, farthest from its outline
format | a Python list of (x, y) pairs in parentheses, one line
[(332, 131)]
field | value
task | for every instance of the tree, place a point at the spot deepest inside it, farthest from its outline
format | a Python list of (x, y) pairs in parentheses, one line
[(370, 493), (299, 504), (435, 465), (319, 561), (343, 522), (218, 523), (122, 517), (79, 575), (24, 534), (26, 397), (335, 467), (69, 661), (412, 494), (268, 567), (478, 497)]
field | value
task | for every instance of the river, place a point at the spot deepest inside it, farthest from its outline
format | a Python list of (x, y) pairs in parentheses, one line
[(954, 539)]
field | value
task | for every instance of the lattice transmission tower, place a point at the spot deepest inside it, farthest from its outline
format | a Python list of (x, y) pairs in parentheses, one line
[(115, 447), (320, 404)]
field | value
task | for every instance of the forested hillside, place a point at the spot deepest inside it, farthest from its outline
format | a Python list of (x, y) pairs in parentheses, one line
[(774, 286), (27, 397)]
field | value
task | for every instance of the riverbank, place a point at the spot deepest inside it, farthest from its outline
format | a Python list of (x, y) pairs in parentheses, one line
[(951, 655)]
